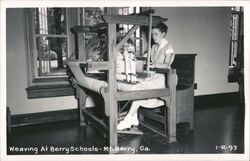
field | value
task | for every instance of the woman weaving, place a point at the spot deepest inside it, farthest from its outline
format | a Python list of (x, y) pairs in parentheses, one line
[(162, 56)]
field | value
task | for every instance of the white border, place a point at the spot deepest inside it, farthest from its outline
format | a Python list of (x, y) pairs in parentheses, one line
[(116, 3)]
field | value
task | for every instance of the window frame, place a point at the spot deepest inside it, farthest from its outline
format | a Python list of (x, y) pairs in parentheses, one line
[(43, 34), (236, 51), (49, 86)]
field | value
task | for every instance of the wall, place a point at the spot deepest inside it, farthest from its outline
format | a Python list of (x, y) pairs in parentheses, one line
[(205, 31)]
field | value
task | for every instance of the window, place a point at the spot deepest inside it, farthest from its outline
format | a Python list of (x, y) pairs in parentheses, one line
[(235, 34), (236, 55), (92, 16), (50, 42), (51, 36), (136, 39), (49, 45)]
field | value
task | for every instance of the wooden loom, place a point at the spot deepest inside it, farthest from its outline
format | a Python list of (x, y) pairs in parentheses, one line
[(108, 88)]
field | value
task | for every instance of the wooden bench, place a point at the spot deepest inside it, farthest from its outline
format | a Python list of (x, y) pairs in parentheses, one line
[(185, 68), (156, 119)]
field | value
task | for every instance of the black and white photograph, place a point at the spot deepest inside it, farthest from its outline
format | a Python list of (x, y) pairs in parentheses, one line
[(128, 81)]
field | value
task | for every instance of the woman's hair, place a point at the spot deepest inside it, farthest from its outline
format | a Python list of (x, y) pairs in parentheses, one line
[(162, 27)]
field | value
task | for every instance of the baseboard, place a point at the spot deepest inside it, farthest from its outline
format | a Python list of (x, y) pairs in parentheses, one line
[(216, 99), (63, 115), (43, 117)]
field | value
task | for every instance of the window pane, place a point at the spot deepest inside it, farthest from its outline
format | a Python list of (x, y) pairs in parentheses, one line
[(93, 15), (52, 55), (50, 21), (135, 39)]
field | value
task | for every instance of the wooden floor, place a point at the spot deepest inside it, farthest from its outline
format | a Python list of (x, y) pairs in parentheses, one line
[(215, 125)]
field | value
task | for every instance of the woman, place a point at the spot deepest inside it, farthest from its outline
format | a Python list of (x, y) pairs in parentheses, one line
[(162, 56)]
